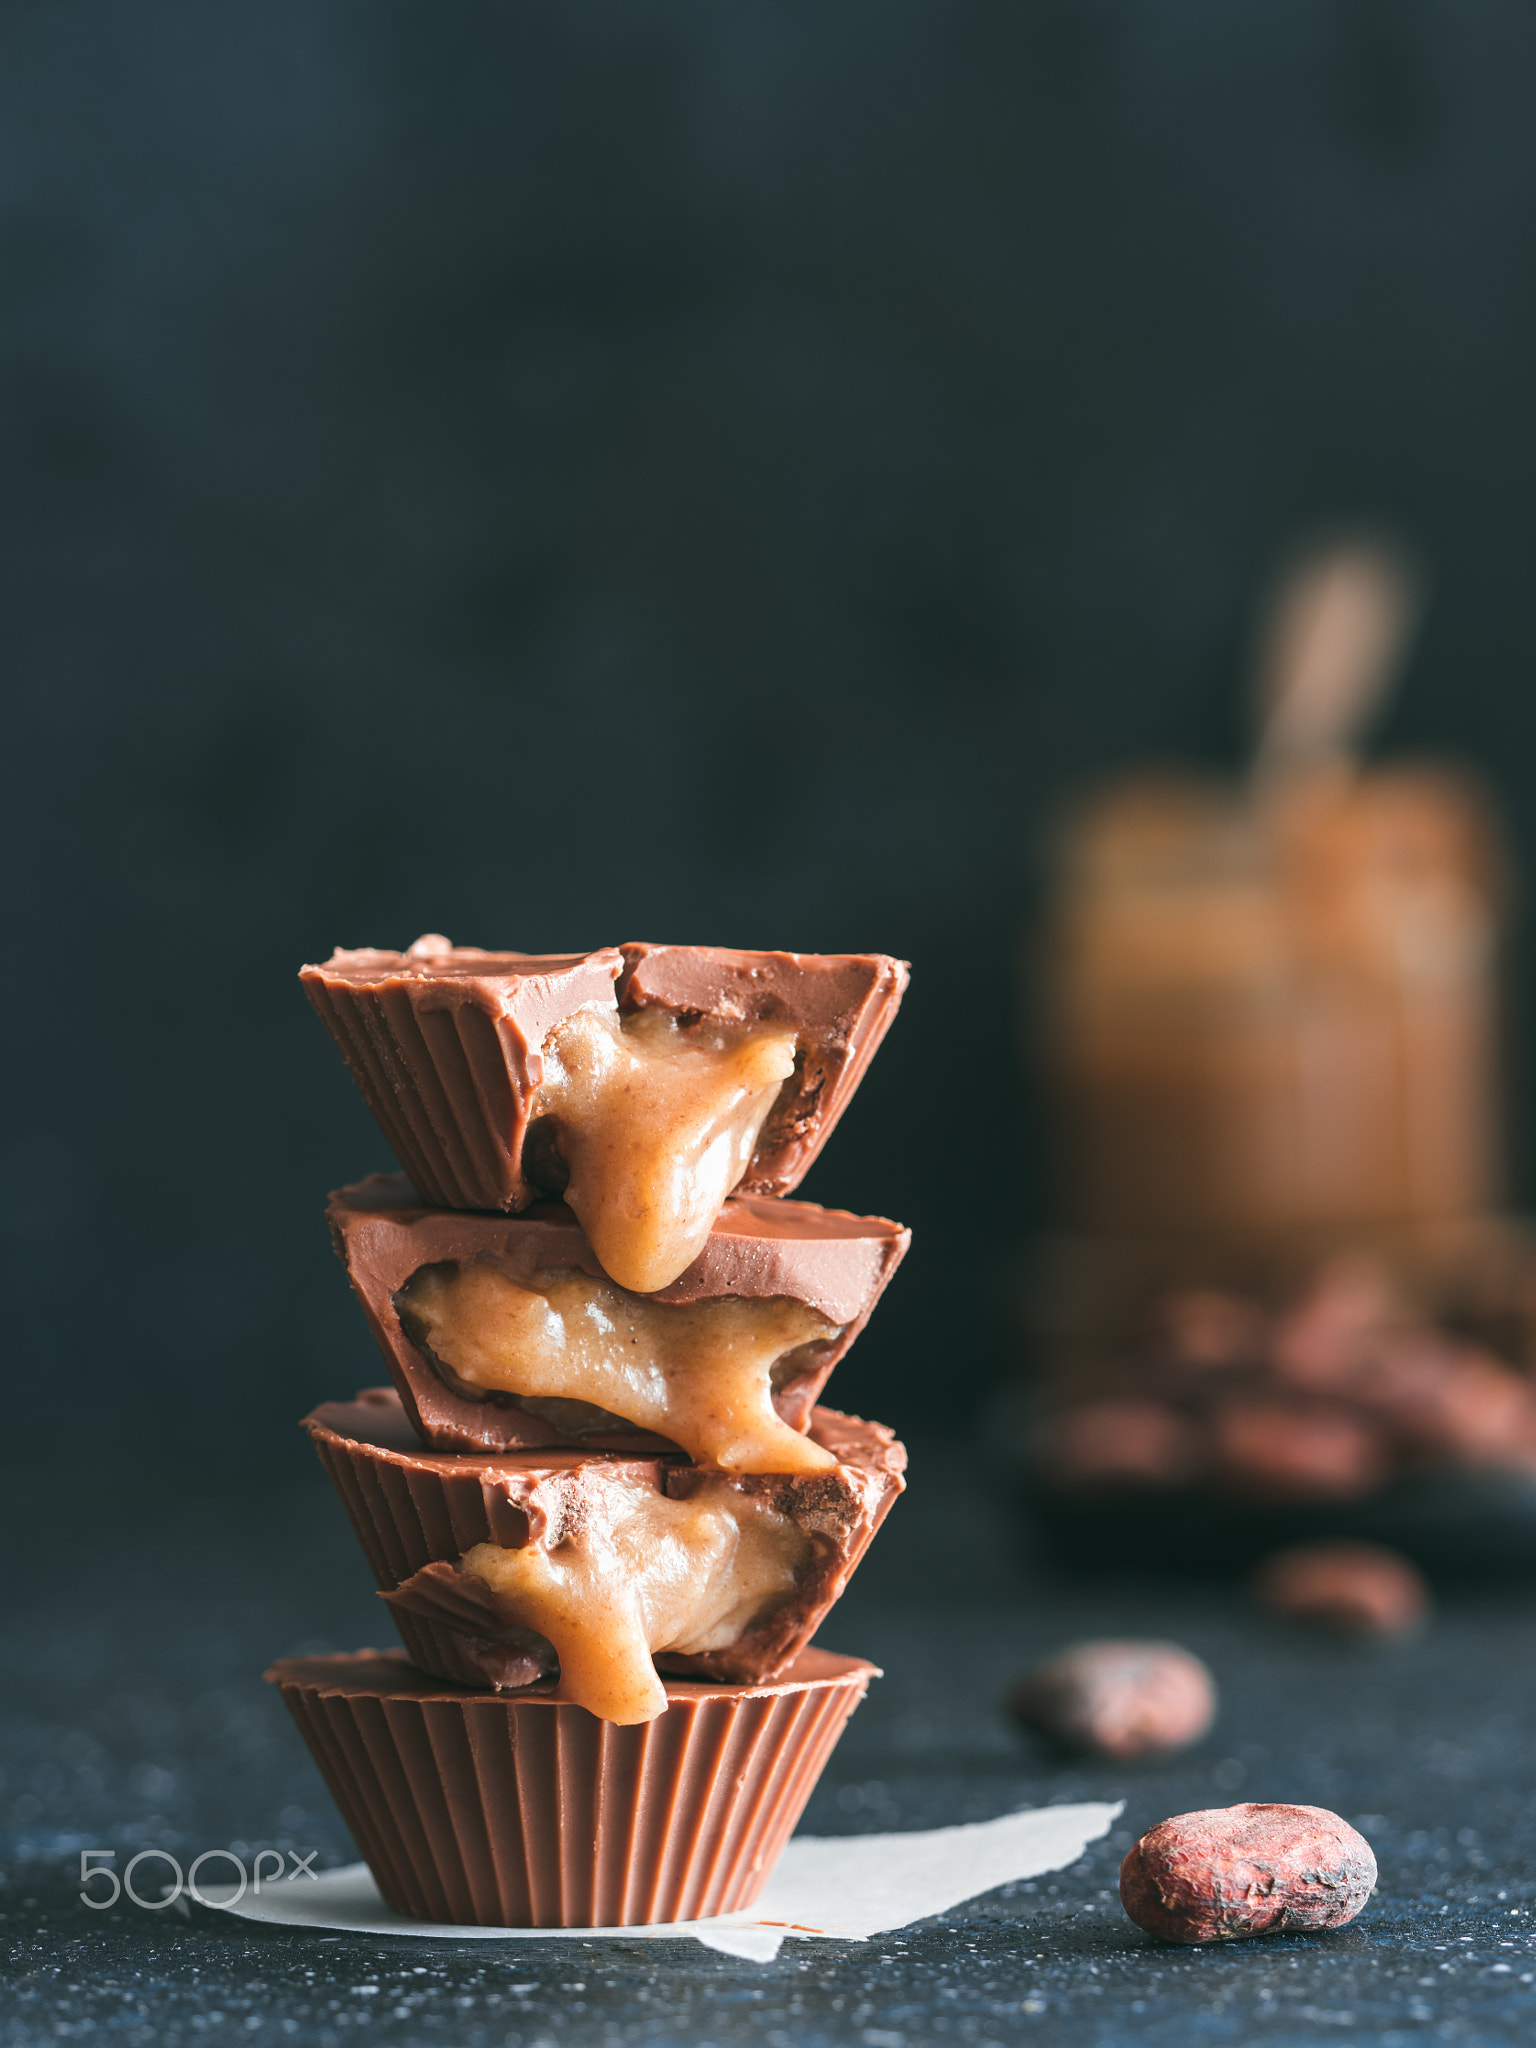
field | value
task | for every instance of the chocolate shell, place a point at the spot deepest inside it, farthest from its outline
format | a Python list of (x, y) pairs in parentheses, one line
[(445, 1044), (498, 1810), (416, 1512), (840, 1004), (837, 1263)]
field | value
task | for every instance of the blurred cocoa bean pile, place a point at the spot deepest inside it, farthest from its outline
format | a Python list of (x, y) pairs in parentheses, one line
[(1329, 1397)]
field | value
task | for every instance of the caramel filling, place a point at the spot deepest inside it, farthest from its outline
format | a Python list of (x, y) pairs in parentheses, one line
[(649, 1574), (656, 1124), (699, 1373)]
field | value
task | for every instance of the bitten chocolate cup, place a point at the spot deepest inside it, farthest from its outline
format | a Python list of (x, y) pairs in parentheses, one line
[(834, 1265), (447, 1044), (417, 1513), (491, 1810)]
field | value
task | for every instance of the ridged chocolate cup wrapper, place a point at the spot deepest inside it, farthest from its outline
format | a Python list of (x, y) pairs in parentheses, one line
[(836, 1263), (503, 1810), (445, 1043), (417, 1511)]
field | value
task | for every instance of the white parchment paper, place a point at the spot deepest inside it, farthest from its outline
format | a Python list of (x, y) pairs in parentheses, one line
[(845, 1888)]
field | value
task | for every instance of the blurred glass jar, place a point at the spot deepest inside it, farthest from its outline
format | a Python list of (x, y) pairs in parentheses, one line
[(1274, 1007)]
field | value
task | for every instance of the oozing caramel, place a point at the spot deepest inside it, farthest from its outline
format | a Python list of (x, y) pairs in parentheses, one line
[(697, 1372), (656, 1124), (635, 1573)]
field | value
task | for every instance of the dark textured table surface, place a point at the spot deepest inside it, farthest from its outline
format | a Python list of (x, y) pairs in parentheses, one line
[(136, 1718)]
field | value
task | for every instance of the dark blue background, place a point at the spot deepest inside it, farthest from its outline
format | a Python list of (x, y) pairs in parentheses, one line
[(569, 472)]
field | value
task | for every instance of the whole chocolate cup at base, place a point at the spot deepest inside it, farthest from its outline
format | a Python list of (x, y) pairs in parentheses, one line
[(417, 1511), (497, 1810), (445, 1043), (836, 1263)]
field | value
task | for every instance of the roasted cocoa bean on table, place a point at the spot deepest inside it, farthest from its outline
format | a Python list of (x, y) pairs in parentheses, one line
[(1358, 1589), (1227, 1872), (1119, 1699)]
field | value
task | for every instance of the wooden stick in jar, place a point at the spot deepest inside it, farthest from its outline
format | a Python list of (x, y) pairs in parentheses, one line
[(1333, 638)]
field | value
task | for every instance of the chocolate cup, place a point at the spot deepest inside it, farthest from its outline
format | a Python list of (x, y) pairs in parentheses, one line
[(837, 1263), (417, 1511), (498, 1810), (445, 1043), (840, 1004)]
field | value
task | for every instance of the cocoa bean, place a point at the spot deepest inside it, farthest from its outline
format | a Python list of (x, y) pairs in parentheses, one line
[(1228, 1872), (1357, 1588), (1117, 1443), (1119, 1699), (1296, 1450)]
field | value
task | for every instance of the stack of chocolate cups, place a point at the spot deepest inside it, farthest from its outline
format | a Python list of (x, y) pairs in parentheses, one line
[(600, 1497)]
